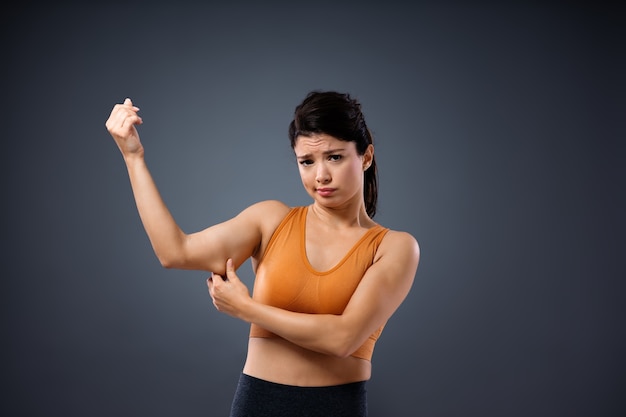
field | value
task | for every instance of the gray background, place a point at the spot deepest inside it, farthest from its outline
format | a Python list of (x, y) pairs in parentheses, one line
[(500, 140)]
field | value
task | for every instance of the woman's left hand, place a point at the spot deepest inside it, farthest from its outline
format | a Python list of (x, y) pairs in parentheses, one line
[(229, 294)]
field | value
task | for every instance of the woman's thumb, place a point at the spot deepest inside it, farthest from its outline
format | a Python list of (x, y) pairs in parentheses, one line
[(230, 269)]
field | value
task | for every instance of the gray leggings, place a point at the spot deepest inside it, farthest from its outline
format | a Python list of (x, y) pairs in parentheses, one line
[(259, 398)]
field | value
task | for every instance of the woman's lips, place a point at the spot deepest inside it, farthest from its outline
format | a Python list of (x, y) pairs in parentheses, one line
[(325, 192)]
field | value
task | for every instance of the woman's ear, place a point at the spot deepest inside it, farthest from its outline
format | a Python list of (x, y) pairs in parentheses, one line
[(368, 157)]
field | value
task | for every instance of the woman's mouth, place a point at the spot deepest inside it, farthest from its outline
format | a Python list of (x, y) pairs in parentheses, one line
[(325, 192)]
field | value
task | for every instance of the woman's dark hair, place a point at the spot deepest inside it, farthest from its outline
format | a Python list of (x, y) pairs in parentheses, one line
[(340, 116)]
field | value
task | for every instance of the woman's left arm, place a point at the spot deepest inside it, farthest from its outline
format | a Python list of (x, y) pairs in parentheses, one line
[(383, 288)]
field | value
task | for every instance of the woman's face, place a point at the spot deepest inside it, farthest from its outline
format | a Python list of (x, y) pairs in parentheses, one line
[(331, 169)]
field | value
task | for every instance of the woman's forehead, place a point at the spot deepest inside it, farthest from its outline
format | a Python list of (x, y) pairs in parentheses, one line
[(320, 142)]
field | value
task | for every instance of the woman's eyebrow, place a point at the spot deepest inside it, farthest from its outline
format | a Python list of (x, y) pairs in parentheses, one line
[(328, 152)]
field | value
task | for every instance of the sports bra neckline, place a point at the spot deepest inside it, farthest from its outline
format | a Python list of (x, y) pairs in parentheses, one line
[(353, 248)]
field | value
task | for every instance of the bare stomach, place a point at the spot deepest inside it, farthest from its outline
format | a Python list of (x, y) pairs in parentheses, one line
[(280, 361)]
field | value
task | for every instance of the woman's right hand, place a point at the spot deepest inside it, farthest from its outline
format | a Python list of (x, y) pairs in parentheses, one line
[(121, 125)]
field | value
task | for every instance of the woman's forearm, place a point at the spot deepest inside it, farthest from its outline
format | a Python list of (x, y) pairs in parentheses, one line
[(325, 333), (330, 334), (165, 235)]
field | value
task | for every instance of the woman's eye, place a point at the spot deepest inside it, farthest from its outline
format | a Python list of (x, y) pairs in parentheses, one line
[(306, 162), (334, 157)]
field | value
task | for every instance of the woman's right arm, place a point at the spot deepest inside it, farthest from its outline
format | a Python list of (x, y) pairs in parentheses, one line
[(238, 238)]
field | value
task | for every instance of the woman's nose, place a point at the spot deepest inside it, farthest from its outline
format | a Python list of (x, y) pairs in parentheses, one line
[(322, 176)]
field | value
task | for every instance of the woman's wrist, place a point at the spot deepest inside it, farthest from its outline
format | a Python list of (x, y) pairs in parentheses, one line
[(246, 312), (133, 158)]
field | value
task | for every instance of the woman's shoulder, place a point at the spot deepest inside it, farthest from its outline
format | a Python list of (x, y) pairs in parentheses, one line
[(269, 209), (267, 214), (399, 252), (400, 242)]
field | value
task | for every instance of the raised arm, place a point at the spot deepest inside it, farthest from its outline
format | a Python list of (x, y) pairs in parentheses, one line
[(381, 291), (238, 238)]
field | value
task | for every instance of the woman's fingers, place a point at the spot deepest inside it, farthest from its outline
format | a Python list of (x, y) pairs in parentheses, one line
[(121, 125), (128, 103), (130, 120), (122, 114)]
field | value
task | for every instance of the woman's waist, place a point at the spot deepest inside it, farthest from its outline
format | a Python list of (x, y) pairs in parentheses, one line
[(278, 360)]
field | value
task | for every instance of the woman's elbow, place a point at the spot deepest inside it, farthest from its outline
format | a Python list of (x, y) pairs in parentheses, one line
[(343, 352), (167, 264), (169, 261), (343, 346), (173, 255)]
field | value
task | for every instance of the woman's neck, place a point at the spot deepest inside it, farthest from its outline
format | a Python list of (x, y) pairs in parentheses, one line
[(347, 216)]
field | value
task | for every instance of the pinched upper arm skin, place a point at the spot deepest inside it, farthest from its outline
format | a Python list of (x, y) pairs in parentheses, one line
[(382, 289), (238, 238)]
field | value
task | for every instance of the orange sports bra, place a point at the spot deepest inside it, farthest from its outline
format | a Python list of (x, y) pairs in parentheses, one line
[(285, 279)]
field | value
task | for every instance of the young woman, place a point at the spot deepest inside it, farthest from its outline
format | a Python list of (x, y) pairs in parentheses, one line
[(328, 277)]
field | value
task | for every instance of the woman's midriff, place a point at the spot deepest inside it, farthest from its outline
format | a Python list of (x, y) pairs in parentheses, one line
[(280, 361)]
